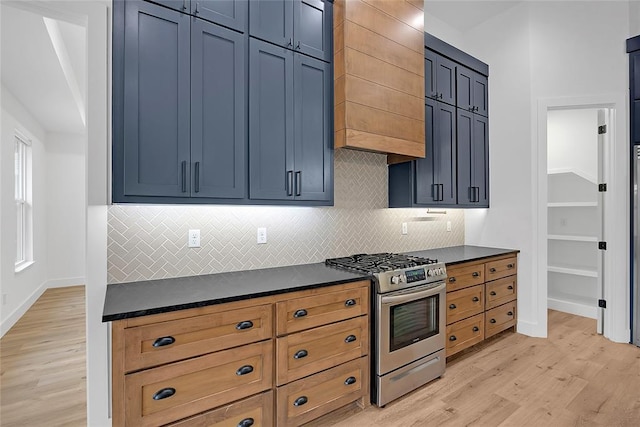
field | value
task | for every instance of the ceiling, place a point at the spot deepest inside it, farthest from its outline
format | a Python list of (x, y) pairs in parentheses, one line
[(465, 14), (49, 81)]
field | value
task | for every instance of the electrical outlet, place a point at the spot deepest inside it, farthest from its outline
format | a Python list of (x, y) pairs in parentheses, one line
[(449, 226), (262, 235), (404, 228), (194, 238)]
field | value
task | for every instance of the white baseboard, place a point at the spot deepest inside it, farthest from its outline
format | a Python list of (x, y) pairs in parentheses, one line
[(530, 329), (26, 305), (572, 308)]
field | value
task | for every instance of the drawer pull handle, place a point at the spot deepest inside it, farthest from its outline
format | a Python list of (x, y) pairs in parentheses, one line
[(452, 306), (452, 279), (492, 270), (452, 338), (475, 299), (476, 329), (492, 293), (162, 341), (247, 324), (509, 313), (300, 354), (510, 287), (350, 303), (300, 313), (244, 370), (350, 338), (247, 422), (164, 393), (475, 274), (510, 265), (492, 321), (350, 381), (300, 401)]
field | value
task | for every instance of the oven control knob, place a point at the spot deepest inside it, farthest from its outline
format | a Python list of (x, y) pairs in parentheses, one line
[(429, 273), (396, 279)]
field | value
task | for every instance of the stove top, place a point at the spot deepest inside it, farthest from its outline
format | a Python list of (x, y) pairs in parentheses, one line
[(393, 271)]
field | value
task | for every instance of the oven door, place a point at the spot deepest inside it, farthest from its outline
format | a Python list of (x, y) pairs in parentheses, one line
[(411, 325)]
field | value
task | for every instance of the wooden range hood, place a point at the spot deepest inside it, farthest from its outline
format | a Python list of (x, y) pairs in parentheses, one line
[(379, 76)]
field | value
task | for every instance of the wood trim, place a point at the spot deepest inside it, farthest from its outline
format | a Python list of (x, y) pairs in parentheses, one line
[(361, 117), (433, 43), (417, 3), (392, 159), (367, 93), (383, 144)]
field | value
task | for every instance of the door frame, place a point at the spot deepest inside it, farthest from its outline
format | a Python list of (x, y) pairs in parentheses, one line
[(616, 209)]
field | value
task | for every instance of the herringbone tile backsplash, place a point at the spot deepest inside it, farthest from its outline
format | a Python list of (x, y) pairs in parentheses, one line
[(150, 242)]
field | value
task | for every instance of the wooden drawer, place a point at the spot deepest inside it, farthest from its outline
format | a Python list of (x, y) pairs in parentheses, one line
[(256, 411), (465, 303), (500, 318), (502, 268), (500, 291), (305, 353), (464, 334), (321, 308), (164, 342), (196, 385), (314, 396), (464, 275)]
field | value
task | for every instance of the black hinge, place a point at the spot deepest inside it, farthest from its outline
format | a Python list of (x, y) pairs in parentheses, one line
[(602, 245), (602, 303), (602, 187), (602, 129)]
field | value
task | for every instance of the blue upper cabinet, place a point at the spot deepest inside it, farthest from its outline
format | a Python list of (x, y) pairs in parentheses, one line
[(439, 77), (152, 158), (301, 25), (472, 91), (229, 13)]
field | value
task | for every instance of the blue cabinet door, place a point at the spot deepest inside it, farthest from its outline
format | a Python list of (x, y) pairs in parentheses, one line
[(430, 72), (313, 146), (272, 20), (473, 159), (480, 155), (446, 80), (230, 13), (156, 103), (472, 92), (312, 28), (426, 188), (481, 94), (218, 112), (271, 161)]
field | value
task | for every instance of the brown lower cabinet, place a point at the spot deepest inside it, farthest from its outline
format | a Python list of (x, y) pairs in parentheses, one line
[(279, 360), (481, 300)]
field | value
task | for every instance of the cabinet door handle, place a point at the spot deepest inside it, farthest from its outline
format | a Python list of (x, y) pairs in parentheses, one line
[(247, 422), (476, 329), (300, 313), (300, 401), (298, 183), (164, 341), (477, 194), (475, 299), (300, 354), (244, 370), (290, 44), (247, 324), (289, 183), (350, 338), (492, 321), (434, 192), (184, 176), (164, 393), (197, 177), (452, 306), (441, 191), (492, 293), (441, 96), (350, 381), (350, 302), (475, 274), (197, 8), (510, 265), (492, 270), (452, 338), (184, 4), (509, 313), (298, 45), (452, 279), (510, 287)]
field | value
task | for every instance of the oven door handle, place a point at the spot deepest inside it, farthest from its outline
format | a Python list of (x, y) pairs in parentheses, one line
[(411, 296)]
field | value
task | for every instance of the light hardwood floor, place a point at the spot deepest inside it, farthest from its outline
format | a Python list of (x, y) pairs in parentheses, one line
[(573, 378), (42, 371)]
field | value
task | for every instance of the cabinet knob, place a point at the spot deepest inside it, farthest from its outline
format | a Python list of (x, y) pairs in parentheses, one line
[(452, 338), (475, 299), (510, 266), (492, 270), (300, 401), (475, 274), (300, 354), (300, 313), (350, 380), (452, 279), (164, 341), (244, 370), (476, 329), (247, 324), (164, 393), (452, 306), (510, 313), (492, 321), (247, 422), (350, 303), (350, 338), (510, 287), (492, 293)]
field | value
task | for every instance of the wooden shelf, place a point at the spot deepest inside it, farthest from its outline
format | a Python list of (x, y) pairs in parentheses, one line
[(572, 270), (572, 204), (568, 237)]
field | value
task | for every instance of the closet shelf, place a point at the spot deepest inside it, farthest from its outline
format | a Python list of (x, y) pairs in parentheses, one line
[(572, 204), (572, 270), (572, 238)]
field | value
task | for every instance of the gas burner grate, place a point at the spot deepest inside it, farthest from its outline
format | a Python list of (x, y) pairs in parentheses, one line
[(377, 263)]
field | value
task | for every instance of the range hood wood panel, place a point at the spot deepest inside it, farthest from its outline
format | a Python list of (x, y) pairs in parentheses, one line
[(379, 76)]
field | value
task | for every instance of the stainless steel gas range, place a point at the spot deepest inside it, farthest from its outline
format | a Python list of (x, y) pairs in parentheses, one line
[(408, 320)]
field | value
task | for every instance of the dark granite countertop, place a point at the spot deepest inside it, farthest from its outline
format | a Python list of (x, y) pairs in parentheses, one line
[(127, 300)]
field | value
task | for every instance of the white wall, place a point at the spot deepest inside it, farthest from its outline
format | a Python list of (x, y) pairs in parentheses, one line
[(634, 18), (572, 142), (66, 209), (24, 287)]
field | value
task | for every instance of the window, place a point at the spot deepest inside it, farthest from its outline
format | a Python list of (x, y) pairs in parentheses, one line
[(23, 205)]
